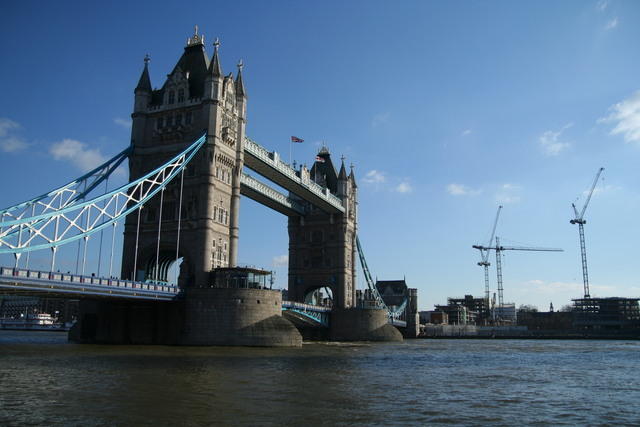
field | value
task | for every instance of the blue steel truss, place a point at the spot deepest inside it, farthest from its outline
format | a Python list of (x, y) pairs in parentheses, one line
[(316, 313), (67, 194), (74, 218), (394, 312), (317, 317)]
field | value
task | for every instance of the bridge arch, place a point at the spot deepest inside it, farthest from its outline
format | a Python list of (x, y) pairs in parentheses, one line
[(319, 294), (166, 260)]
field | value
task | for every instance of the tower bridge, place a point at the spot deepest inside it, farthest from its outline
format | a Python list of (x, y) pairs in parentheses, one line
[(181, 206)]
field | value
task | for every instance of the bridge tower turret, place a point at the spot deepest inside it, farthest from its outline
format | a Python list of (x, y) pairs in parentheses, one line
[(322, 245), (202, 229)]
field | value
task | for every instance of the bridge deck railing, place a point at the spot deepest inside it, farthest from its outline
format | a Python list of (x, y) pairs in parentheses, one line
[(305, 307), (264, 189), (273, 159), (18, 273)]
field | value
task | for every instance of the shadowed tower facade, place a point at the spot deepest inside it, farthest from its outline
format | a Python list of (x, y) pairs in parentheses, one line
[(198, 224), (322, 247)]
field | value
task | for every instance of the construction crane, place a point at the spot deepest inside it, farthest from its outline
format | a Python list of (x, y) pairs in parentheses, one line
[(484, 259), (579, 219), (499, 249)]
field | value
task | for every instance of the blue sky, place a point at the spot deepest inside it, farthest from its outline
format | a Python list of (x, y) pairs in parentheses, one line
[(446, 109)]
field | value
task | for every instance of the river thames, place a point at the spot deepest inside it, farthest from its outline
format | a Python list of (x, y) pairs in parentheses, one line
[(46, 380)]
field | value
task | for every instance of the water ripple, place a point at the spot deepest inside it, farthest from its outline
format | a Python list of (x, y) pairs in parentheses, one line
[(441, 382)]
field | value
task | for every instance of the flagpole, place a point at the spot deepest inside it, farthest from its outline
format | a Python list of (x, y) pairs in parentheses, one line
[(294, 139)]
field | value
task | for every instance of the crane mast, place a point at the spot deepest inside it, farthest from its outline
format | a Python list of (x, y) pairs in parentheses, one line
[(499, 249), (499, 274), (484, 259), (579, 219)]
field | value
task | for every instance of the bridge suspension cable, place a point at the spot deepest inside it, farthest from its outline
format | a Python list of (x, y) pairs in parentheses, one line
[(65, 195), (394, 313), (65, 218)]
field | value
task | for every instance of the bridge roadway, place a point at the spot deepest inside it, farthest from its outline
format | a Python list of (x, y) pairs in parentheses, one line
[(269, 165), (259, 159), (270, 197), (65, 285), (15, 281)]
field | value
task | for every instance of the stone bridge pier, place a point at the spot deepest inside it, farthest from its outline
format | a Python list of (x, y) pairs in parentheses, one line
[(322, 257), (194, 222)]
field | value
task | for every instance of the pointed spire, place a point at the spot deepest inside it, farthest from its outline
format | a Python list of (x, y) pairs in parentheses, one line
[(352, 176), (343, 172), (145, 82), (239, 83), (215, 69), (196, 39)]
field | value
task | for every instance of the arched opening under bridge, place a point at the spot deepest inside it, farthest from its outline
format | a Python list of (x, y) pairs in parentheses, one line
[(319, 295), (165, 267)]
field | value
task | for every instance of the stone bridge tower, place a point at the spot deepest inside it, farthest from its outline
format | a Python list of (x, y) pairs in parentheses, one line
[(196, 98), (322, 246)]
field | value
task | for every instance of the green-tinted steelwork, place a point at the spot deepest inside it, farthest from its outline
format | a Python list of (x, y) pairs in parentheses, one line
[(394, 313), (63, 196), (79, 219)]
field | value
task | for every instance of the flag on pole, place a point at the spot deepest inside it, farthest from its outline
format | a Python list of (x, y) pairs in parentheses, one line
[(296, 139)]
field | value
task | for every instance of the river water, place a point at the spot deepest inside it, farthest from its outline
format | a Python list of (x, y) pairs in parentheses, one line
[(45, 380)]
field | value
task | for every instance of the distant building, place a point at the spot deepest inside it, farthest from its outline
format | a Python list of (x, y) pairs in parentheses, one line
[(394, 293), (552, 320), (613, 313), (507, 313), (433, 317), (458, 314), (15, 307), (478, 306)]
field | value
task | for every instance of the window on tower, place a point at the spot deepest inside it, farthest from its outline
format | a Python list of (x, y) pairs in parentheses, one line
[(160, 123), (188, 117), (172, 97), (180, 95)]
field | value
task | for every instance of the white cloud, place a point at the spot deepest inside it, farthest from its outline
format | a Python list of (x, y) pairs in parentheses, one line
[(551, 288), (602, 189), (610, 25), (380, 119), (550, 141), (466, 132), (404, 187), (10, 143), (77, 153), (125, 123), (462, 190), (602, 5), (508, 194), (7, 125), (381, 181), (542, 286), (626, 116), (280, 260), (374, 177)]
